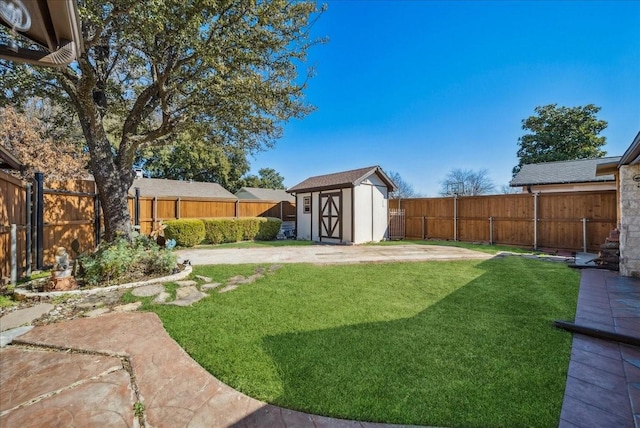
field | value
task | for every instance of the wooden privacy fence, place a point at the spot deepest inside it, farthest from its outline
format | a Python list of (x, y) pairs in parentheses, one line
[(147, 212), (572, 221)]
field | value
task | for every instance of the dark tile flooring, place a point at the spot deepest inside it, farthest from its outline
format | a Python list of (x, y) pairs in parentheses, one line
[(603, 382)]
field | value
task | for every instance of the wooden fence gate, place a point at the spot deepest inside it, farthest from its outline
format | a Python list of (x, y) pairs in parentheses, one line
[(396, 223)]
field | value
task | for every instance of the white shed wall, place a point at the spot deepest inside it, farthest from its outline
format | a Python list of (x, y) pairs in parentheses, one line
[(363, 214), (303, 219)]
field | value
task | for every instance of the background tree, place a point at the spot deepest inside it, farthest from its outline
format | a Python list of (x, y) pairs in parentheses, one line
[(26, 137), (405, 190), (561, 133), (267, 178), (150, 70), (467, 182), (197, 159), (505, 189)]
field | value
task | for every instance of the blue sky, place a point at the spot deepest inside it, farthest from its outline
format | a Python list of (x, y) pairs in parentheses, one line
[(423, 87)]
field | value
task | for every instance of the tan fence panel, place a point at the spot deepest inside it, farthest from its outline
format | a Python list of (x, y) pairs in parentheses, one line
[(13, 210), (559, 215), (69, 214)]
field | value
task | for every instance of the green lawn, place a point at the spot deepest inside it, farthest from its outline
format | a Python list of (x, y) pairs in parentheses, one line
[(485, 248), (465, 343)]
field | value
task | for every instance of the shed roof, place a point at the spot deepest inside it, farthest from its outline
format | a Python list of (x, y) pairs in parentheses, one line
[(563, 172), (164, 188), (340, 180), (264, 194)]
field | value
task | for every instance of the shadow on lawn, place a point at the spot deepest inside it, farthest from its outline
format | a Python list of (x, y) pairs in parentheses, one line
[(479, 357)]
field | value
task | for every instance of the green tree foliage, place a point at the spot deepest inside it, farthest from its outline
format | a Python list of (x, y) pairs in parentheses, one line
[(199, 160), (467, 182), (267, 178), (561, 133), (151, 70)]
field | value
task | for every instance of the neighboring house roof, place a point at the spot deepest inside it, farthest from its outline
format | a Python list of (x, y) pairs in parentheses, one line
[(54, 25), (163, 188), (340, 180), (8, 160), (563, 172), (264, 194)]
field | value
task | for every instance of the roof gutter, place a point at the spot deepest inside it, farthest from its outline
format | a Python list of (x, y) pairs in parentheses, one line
[(632, 155)]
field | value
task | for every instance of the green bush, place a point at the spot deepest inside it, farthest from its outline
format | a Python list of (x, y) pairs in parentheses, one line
[(223, 230), (186, 232), (269, 229), (122, 261)]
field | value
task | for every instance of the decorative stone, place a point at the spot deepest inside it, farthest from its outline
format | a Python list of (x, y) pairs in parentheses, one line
[(183, 292), (186, 283), (187, 296), (129, 307), (97, 312), (148, 290), (210, 286), (203, 278), (235, 280), (228, 288), (61, 284), (162, 297)]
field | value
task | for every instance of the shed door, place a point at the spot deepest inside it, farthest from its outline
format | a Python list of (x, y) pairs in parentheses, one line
[(331, 215)]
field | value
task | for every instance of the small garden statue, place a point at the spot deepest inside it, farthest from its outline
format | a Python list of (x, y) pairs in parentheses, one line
[(61, 278)]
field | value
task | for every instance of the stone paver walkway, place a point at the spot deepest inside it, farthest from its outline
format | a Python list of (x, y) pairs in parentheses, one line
[(93, 371), (603, 381)]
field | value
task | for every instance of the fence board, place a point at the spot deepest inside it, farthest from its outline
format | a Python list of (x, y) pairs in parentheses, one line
[(13, 210)]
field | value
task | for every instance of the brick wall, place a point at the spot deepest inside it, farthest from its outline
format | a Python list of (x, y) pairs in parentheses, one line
[(629, 221)]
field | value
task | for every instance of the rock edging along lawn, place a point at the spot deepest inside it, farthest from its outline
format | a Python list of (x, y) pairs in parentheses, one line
[(21, 293)]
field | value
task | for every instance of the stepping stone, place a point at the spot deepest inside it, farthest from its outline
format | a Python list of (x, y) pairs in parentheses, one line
[(148, 290), (210, 286), (186, 283), (187, 299), (228, 288), (24, 316), (129, 307), (203, 278), (97, 312), (274, 268), (235, 280), (89, 305), (260, 270), (6, 337), (162, 297)]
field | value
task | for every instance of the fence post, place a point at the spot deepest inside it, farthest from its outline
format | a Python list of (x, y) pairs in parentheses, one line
[(535, 221), (584, 235), (455, 216), (490, 230), (14, 254), (178, 208), (281, 212), (28, 230), (424, 228), (237, 208), (136, 209), (154, 210), (39, 217), (96, 221)]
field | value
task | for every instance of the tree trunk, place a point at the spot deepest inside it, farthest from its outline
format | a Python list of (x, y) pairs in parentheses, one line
[(112, 175)]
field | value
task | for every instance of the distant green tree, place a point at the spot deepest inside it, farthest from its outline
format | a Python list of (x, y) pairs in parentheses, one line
[(267, 178), (195, 158), (561, 133)]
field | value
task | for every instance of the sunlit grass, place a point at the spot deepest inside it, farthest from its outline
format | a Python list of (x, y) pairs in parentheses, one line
[(464, 343)]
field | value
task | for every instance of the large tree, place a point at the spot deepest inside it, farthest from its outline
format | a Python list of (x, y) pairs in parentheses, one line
[(561, 133), (225, 69), (467, 182)]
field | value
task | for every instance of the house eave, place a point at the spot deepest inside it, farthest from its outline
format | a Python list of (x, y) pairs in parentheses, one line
[(632, 155)]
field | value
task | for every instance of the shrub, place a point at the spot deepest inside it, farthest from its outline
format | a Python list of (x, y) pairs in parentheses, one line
[(222, 230), (186, 232), (269, 229), (122, 261)]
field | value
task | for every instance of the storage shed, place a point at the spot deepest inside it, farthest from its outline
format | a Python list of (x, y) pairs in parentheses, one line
[(349, 207)]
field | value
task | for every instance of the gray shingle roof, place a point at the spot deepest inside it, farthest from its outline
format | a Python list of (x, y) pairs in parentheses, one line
[(163, 188), (341, 180), (264, 194), (573, 171)]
